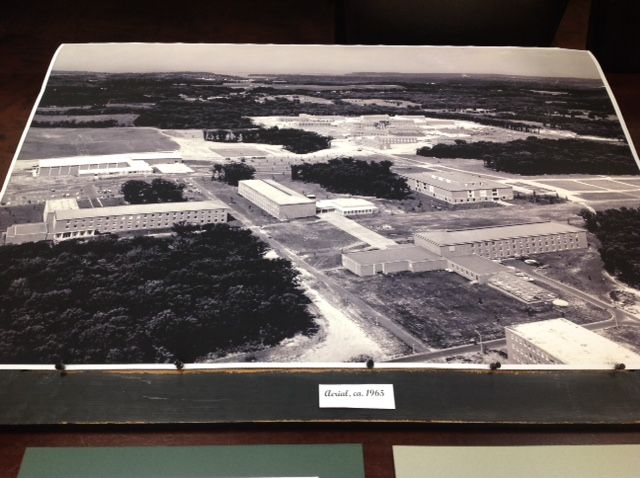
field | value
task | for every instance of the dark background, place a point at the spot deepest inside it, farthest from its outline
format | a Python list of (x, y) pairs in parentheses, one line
[(30, 31)]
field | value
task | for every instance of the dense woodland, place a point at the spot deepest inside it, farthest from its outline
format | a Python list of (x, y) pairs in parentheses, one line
[(184, 100), (232, 173), (146, 299), (353, 176), (159, 190), (535, 156), (618, 231), (294, 140)]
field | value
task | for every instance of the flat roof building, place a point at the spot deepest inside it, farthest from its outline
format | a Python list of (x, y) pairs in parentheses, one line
[(277, 200), (172, 168), (400, 258), (458, 188), (128, 163), (346, 206), (559, 341), (497, 242), (61, 222)]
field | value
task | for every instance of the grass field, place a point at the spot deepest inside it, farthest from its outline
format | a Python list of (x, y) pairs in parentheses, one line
[(20, 215), (58, 142), (582, 269), (627, 335)]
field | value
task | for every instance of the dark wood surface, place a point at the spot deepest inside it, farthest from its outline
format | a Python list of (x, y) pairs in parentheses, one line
[(30, 31), (426, 396)]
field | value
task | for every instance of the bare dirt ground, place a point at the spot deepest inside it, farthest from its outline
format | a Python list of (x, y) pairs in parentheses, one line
[(442, 308), (311, 237), (490, 356)]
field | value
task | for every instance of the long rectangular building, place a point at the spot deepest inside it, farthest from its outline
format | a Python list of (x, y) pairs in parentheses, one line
[(128, 163), (458, 188), (64, 220), (504, 241), (559, 341), (277, 200), (400, 258)]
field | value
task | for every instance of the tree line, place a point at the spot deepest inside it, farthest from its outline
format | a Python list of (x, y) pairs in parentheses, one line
[(618, 231), (533, 156), (353, 176), (146, 299), (294, 140)]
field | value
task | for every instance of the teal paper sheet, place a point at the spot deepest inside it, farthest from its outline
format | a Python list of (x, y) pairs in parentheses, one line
[(256, 461)]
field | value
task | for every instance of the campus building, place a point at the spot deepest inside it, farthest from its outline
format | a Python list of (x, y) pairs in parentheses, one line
[(458, 188), (400, 258), (471, 253), (275, 199), (347, 206), (63, 219), (559, 341), (129, 163), (498, 242)]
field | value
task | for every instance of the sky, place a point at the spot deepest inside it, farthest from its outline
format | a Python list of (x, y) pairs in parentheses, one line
[(318, 59)]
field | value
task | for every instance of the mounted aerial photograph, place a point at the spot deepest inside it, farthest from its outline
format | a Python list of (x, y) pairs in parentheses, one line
[(230, 204)]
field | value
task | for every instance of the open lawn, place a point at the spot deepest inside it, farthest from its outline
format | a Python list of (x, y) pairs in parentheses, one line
[(58, 142), (582, 269), (627, 335)]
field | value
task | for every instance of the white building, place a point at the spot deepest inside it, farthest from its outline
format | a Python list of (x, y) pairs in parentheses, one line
[(400, 258), (559, 341), (277, 200), (63, 219), (347, 206), (497, 242), (458, 188), (129, 163)]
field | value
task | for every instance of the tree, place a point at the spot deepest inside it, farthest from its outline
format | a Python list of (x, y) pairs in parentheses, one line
[(233, 172), (160, 190), (136, 192)]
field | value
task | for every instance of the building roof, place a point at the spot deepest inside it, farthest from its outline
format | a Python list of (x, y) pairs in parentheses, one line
[(477, 264), (27, 229), (453, 181), (570, 343), (106, 158), (494, 233), (139, 209), (401, 252), (173, 168), (345, 203), (276, 192), (60, 204)]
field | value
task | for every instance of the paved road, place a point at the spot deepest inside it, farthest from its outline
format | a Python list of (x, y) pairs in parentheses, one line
[(615, 312), (333, 288), (358, 231)]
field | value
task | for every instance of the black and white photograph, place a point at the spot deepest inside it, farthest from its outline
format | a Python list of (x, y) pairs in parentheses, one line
[(227, 204)]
